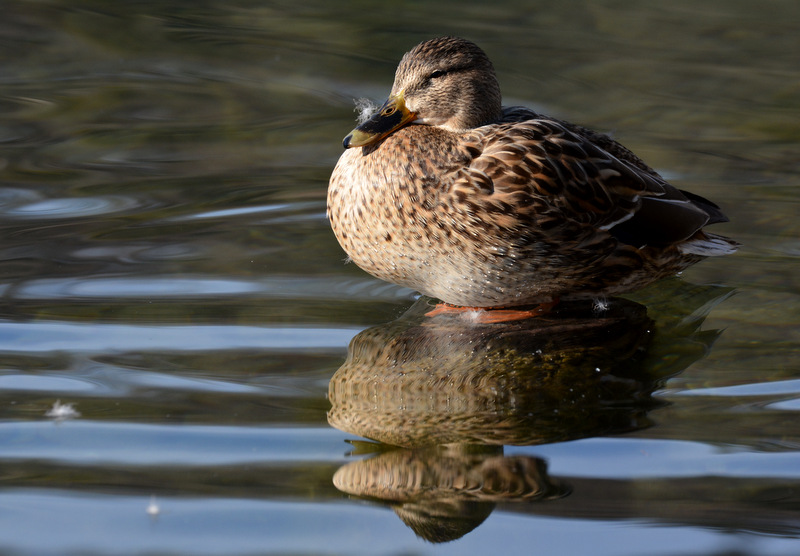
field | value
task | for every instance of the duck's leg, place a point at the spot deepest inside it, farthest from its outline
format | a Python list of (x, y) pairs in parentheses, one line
[(490, 315)]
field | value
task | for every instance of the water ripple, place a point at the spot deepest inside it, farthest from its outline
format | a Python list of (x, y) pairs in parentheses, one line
[(71, 207), (618, 458), (51, 336), (95, 441), (44, 383), (774, 388), (278, 213), (240, 211), (181, 287)]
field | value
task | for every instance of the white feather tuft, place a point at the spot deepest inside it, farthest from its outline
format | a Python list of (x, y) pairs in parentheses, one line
[(62, 411), (365, 108), (600, 304)]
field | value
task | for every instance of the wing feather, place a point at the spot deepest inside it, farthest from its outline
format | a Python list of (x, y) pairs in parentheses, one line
[(581, 178)]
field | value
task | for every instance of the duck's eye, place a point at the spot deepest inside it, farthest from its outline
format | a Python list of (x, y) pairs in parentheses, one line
[(437, 73)]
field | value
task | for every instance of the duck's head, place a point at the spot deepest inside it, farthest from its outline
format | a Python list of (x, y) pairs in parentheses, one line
[(445, 82)]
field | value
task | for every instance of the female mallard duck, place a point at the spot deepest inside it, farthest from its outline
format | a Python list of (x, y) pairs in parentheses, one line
[(445, 191)]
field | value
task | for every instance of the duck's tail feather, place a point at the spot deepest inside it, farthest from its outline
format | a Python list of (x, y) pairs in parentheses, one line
[(708, 245)]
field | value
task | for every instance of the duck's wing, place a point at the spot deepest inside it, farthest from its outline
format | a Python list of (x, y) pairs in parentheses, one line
[(549, 175)]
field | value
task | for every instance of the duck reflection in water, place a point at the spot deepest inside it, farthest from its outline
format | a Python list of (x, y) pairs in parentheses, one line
[(442, 396)]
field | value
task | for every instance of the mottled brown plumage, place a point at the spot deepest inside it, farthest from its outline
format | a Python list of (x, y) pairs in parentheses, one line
[(446, 192)]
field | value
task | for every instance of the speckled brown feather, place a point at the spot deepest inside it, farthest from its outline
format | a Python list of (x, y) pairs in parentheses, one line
[(514, 212)]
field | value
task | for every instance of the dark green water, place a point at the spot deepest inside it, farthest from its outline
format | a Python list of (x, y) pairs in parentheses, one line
[(167, 271)]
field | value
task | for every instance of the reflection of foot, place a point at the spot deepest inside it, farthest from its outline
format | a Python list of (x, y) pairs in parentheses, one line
[(489, 315)]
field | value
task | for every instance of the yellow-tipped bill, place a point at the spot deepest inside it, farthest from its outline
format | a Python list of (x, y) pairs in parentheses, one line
[(392, 116)]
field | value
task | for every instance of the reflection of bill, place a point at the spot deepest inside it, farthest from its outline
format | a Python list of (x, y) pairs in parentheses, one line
[(452, 393)]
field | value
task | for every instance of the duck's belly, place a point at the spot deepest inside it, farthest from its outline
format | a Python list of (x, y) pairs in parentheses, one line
[(415, 240), (450, 269)]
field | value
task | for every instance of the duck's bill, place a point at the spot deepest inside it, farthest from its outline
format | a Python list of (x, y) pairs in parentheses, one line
[(389, 118)]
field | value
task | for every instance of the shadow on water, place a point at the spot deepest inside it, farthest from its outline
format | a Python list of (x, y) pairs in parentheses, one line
[(442, 397)]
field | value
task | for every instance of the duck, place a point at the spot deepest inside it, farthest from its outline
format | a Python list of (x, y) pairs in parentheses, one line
[(445, 191)]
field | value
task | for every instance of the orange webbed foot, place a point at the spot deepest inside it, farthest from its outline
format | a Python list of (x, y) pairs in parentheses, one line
[(492, 315)]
